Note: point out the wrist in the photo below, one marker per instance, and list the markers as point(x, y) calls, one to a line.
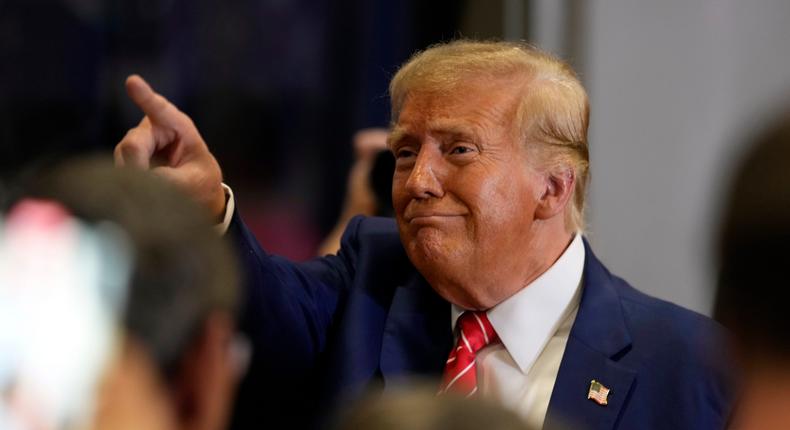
point(218, 205)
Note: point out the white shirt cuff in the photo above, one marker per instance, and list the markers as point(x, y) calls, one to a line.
point(230, 206)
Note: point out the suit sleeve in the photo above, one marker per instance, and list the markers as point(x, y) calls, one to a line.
point(287, 312)
point(288, 307)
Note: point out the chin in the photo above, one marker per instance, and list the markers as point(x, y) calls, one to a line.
point(429, 249)
point(444, 267)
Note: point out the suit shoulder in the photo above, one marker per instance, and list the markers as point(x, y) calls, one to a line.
point(664, 333)
point(672, 343)
point(645, 314)
point(374, 225)
point(374, 246)
point(651, 310)
point(373, 233)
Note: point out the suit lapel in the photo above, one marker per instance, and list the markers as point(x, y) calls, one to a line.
point(417, 333)
point(569, 406)
point(598, 337)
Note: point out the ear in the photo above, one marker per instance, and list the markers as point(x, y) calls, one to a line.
point(559, 186)
point(206, 379)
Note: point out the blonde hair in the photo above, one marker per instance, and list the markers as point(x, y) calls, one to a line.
point(553, 110)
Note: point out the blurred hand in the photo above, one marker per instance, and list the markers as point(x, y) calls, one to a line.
point(360, 198)
point(369, 141)
point(167, 142)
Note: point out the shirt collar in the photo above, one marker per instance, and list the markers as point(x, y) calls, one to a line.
point(528, 319)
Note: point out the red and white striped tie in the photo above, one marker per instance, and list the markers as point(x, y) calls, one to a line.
point(460, 373)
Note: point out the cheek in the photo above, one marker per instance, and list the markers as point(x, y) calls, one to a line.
point(399, 194)
point(400, 197)
point(505, 205)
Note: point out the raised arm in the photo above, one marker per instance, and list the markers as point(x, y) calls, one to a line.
point(285, 306)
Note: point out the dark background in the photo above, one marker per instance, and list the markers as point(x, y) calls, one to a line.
point(277, 88)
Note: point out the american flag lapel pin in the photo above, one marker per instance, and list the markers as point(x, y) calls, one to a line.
point(598, 393)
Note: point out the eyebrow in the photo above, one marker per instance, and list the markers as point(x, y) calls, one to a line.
point(446, 128)
point(396, 135)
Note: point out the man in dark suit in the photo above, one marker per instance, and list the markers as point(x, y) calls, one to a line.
point(484, 278)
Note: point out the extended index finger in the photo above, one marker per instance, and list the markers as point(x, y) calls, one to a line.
point(155, 106)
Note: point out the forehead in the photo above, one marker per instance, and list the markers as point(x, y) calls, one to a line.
point(467, 108)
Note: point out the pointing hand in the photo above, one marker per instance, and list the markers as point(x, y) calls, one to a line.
point(167, 142)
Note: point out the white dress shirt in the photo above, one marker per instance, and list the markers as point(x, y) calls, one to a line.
point(533, 326)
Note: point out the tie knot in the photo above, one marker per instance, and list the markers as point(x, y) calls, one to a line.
point(475, 331)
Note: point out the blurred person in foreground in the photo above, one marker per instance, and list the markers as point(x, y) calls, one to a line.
point(483, 279)
point(419, 408)
point(129, 298)
point(753, 297)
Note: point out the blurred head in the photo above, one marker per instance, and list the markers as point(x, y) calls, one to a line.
point(422, 409)
point(490, 141)
point(62, 286)
point(752, 297)
point(175, 366)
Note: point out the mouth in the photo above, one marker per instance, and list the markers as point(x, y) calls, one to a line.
point(430, 218)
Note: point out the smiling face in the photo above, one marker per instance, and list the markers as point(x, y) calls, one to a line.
point(466, 193)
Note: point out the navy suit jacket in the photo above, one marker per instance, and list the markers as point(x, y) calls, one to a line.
point(326, 330)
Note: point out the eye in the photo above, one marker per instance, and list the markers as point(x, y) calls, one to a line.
point(404, 153)
point(404, 158)
point(461, 149)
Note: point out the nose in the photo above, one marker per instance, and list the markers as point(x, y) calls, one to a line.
point(424, 179)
